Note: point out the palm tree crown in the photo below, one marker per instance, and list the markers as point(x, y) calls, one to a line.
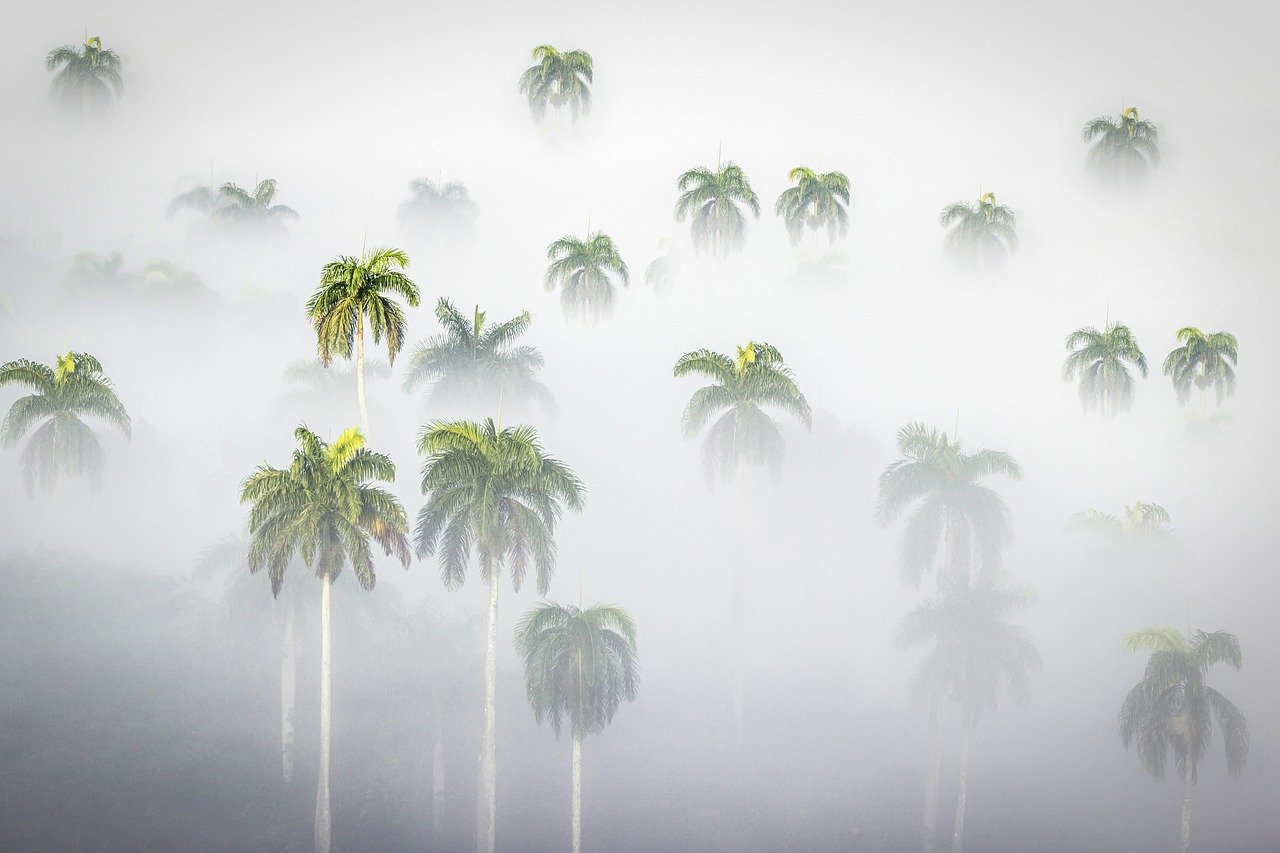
point(1100, 360)
point(712, 200)
point(1203, 361)
point(981, 234)
point(585, 270)
point(1143, 521)
point(87, 76)
point(558, 79)
point(741, 390)
point(816, 201)
point(352, 290)
point(236, 204)
point(1125, 147)
point(74, 388)
point(445, 212)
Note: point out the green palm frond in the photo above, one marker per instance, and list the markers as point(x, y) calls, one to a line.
point(585, 272)
point(353, 291)
point(713, 202)
point(558, 79)
point(1203, 361)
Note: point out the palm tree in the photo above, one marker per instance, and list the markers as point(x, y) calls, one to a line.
point(316, 388)
point(325, 509)
point(975, 654)
point(445, 212)
point(954, 510)
point(472, 361)
point(494, 491)
point(558, 79)
point(1202, 361)
point(89, 75)
point(92, 274)
point(741, 390)
point(711, 200)
point(161, 279)
point(585, 270)
point(662, 270)
point(816, 201)
point(1126, 148)
point(1100, 360)
point(202, 198)
point(981, 234)
point(73, 389)
point(1172, 708)
point(353, 290)
point(1142, 522)
point(578, 664)
point(257, 209)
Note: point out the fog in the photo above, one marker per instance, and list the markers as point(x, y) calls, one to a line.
point(140, 699)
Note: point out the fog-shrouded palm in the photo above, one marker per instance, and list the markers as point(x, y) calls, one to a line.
point(974, 654)
point(712, 201)
point(981, 234)
point(662, 271)
point(1173, 709)
point(1141, 523)
point(737, 403)
point(165, 280)
point(1101, 359)
point(92, 274)
point(354, 291)
point(495, 493)
point(585, 272)
point(473, 362)
point(86, 76)
point(201, 198)
point(1124, 148)
point(1204, 361)
point(817, 201)
point(445, 213)
point(237, 204)
point(314, 387)
point(954, 513)
point(579, 665)
point(62, 444)
point(325, 509)
point(558, 79)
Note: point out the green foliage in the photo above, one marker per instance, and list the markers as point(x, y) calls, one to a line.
point(712, 200)
point(558, 79)
point(741, 390)
point(578, 664)
point(1100, 360)
point(1141, 523)
point(1203, 361)
point(353, 290)
point(239, 205)
point(324, 509)
point(495, 492)
point(444, 213)
point(1172, 708)
point(816, 201)
point(86, 77)
point(1124, 148)
point(95, 277)
point(62, 444)
point(585, 270)
point(981, 234)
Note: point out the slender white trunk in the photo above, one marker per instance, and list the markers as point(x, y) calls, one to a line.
point(576, 823)
point(288, 694)
point(486, 807)
point(739, 610)
point(437, 781)
point(1185, 842)
point(323, 817)
point(957, 839)
point(933, 771)
point(364, 412)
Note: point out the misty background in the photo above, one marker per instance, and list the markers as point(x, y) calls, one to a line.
point(138, 706)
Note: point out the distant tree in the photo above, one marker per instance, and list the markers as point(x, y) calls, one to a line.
point(1203, 361)
point(981, 234)
point(325, 509)
point(85, 77)
point(558, 79)
point(202, 198)
point(92, 274)
point(316, 388)
point(578, 664)
point(661, 272)
point(238, 205)
point(165, 280)
point(353, 290)
point(497, 493)
point(445, 213)
point(1172, 708)
point(816, 201)
point(1124, 149)
point(1099, 358)
point(471, 361)
point(584, 271)
point(712, 201)
point(63, 445)
point(1141, 523)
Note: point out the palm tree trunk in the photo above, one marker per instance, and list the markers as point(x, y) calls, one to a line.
point(437, 781)
point(1185, 843)
point(957, 839)
point(933, 749)
point(739, 610)
point(486, 807)
point(288, 695)
point(364, 412)
point(323, 817)
point(576, 823)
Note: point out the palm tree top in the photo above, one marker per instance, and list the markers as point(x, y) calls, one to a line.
point(352, 289)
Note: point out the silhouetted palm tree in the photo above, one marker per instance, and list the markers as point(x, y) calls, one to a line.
point(238, 205)
point(1203, 361)
point(1100, 360)
point(816, 201)
point(585, 270)
point(445, 213)
point(558, 79)
point(712, 201)
point(1124, 148)
point(981, 234)
point(88, 76)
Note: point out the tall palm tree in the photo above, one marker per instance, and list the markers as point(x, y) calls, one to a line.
point(472, 361)
point(974, 654)
point(353, 290)
point(1172, 708)
point(325, 509)
point(88, 76)
point(92, 274)
point(816, 201)
point(445, 212)
point(742, 389)
point(63, 444)
point(1203, 361)
point(1124, 148)
point(955, 512)
point(494, 491)
point(558, 79)
point(981, 234)
point(255, 209)
point(712, 201)
point(661, 272)
point(585, 270)
point(1100, 360)
point(578, 664)
point(202, 198)
point(1143, 522)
